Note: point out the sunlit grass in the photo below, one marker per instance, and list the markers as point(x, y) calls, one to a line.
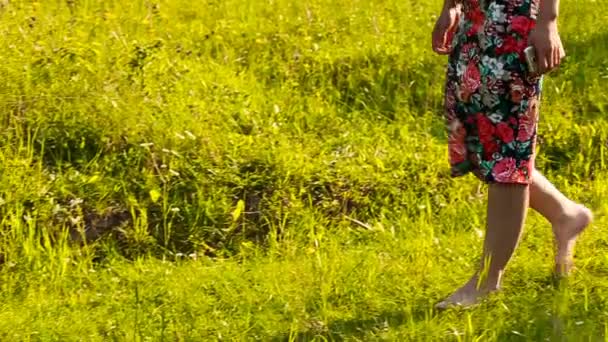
point(270, 170)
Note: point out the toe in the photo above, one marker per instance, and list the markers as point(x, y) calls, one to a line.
point(441, 305)
point(446, 304)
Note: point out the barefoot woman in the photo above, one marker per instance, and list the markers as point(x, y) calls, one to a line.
point(492, 103)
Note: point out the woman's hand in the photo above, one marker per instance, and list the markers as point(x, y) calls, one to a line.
point(549, 49)
point(444, 29)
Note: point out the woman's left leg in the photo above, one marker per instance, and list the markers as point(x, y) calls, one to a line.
point(567, 218)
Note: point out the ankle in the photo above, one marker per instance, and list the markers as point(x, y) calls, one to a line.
point(573, 210)
point(569, 210)
point(489, 283)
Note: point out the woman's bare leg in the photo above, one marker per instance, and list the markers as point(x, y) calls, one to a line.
point(507, 207)
point(567, 218)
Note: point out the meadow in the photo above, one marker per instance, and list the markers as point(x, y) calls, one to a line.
point(271, 170)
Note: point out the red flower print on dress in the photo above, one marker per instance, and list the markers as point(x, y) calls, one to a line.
point(522, 25)
point(517, 90)
point(476, 17)
point(514, 4)
point(505, 132)
point(489, 148)
point(511, 45)
point(466, 48)
point(493, 85)
point(471, 81)
point(526, 165)
point(504, 169)
point(531, 92)
point(456, 143)
point(527, 128)
point(518, 176)
point(485, 128)
point(450, 100)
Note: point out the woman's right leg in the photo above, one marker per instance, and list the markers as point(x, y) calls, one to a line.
point(568, 219)
point(506, 213)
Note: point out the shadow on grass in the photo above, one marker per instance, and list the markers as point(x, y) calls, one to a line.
point(340, 330)
point(556, 312)
point(544, 323)
point(358, 328)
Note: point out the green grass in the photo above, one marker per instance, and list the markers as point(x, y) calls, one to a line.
point(270, 170)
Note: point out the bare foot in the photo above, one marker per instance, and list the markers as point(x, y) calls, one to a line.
point(566, 233)
point(466, 296)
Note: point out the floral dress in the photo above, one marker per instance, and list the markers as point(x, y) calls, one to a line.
point(491, 100)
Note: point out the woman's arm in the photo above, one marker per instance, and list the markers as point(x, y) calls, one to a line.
point(545, 37)
point(445, 25)
point(447, 4)
point(548, 11)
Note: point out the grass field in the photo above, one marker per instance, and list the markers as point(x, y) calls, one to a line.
point(271, 170)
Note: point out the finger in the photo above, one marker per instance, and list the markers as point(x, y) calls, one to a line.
point(439, 47)
point(442, 50)
point(440, 44)
point(541, 59)
point(550, 56)
point(557, 59)
point(446, 42)
point(435, 42)
point(436, 38)
point(454, 24)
